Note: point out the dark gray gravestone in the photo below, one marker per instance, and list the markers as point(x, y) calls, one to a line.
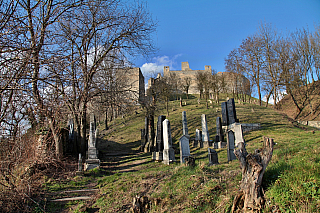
point(232, 116)
point(184, 148)
point(159, 140)
point(146, 122)
point(213, 157)
point(151, 133)
point(230, 146)
point(219, 136)
point(224, 113)
point(231, 111)
point(200, 141)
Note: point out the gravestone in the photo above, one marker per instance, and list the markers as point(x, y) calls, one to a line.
point(231, 110)
point(213, 157)
point(184, 124)
point(205, 134)
point(219, 136)
point(92, 161)
point(236, 128)
point(158, 153)
point(184, 148)
point(224, 113)
point(80, 163)
point(150, 139)
point(168, 151)
point(230, 146)
point(200, 141)
point(146, 122)
point(197, 138)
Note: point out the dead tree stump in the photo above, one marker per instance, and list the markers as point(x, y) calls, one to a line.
point(250, 197)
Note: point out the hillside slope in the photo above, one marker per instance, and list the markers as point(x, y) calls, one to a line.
point(291, 182)
point(287, 106)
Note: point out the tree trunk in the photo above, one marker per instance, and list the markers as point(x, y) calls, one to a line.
point(56, 138)
point(250, 197)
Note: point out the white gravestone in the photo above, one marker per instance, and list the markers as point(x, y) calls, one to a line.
point(168, 151)
point(205, 134)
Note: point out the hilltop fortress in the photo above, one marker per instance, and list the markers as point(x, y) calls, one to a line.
point(232, 81)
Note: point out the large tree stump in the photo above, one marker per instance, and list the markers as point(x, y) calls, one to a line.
point(250, 197)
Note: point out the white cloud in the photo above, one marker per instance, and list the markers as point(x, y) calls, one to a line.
point(155, 67)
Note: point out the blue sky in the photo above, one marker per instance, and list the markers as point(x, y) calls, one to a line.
point(203, 32)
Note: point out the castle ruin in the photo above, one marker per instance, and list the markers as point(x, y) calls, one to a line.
point(232, 81)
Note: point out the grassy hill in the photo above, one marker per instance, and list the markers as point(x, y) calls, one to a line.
point(291, 182)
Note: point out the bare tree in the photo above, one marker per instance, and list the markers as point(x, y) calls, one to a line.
point(185, 85)
point(95, 33)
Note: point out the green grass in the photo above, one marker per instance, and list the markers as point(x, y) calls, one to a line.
point(291, 181)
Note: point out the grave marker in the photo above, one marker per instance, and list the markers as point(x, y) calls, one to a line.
point(213, 157)
point(168, 151)
point(230, 146)
point(184, 148)
point(184, 124)
point(205, 134)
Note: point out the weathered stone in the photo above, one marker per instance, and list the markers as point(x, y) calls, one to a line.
point(190, 161)
point(232, 117)
point(158, 153)
point(205, 133)
point(184, 148)
point(213, 157)
point(159, 136)
point(168, 151)
point(224, 113)
point(92, 161)
point(230, 146)
point(219, 136)
point(184, 124)
point(80, 163)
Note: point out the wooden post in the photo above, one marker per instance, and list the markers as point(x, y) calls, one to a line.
point(250, 197)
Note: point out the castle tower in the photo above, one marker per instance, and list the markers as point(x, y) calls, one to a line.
point(185, 66)
point(207, 68)
point(166, 70)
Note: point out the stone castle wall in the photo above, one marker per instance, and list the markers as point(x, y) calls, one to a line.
point(187, 72)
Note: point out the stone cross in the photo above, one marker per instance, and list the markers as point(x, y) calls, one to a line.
point(205, 134)
point(213, 157)
point(168, 151)
point(184, 124)
point(184, 148)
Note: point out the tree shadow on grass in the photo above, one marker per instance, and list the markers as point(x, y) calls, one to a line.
point(273, 173)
